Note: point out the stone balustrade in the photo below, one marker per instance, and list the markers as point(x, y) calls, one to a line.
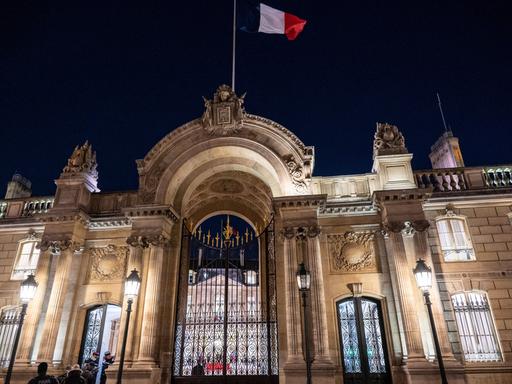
point(25, 207)
point(461, 179)
point(341, 187)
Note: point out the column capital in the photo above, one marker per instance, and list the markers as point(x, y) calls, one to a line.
point(56, 247)
point(148, 239)
point(301, 232)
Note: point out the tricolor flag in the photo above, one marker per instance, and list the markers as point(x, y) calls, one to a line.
point(260, 17)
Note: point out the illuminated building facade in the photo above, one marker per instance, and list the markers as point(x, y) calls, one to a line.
point(224, 306)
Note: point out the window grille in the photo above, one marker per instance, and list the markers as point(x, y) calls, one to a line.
point(455, 240)
point(26, 260)
point(476, 327)
point(9, 320)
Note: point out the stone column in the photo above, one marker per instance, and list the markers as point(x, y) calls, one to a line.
point(422, 250)
point(64, 252)
point(134, 262)
point(399, 266)
point(68, 308)
point(317, 299)
point(293, 306)
point(150, 332)
point(34, 310)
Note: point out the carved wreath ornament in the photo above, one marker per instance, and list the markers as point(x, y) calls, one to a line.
point(108, 263)
point(351, 251)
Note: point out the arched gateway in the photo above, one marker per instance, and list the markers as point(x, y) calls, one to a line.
point(228, 162)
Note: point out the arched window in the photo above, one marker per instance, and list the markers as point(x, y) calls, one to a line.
point(454, 238)
point(476, 327)
point(27, 257)
point(8, 326)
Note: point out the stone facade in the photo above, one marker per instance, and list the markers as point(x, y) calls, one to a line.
point(359, 235)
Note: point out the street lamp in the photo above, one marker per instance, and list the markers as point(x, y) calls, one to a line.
point(131, 290)
point(27, 292)
point(423, 275)
point(304, 283)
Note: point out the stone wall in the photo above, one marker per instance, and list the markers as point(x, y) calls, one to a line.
point(491, 272)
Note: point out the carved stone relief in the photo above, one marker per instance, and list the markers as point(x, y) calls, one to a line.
point(83, 159)
point(388, 140)
point(147, 193)
point(57, 246)
point(352, 252)
point(144, 241)
point(108, 263)
point(296, 171)
point(224, 115)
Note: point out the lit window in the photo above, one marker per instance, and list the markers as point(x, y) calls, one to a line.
point(251, 277)
point(26, 260)
point(192, 276)
point(454, 237)
point(8, 326)
point(476, 327)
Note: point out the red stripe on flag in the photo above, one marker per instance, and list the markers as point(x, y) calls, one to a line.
point(293, 25)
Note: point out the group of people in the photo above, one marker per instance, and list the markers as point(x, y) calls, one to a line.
point(87, 374)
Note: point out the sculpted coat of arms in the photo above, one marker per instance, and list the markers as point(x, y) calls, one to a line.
point(352, 252)
point(224, 114)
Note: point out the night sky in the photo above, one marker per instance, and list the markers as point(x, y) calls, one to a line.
point(123, 75)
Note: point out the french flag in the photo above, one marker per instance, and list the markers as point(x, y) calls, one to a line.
point(260, 17)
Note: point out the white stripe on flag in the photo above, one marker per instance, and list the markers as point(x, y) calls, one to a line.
point(271, 20)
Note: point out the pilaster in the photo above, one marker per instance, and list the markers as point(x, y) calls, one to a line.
point(63, 250)
point(34, 310)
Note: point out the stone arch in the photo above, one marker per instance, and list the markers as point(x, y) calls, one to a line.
point(173, 169)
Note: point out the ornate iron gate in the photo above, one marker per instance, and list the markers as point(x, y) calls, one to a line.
point(9, 322)
point(226, 318)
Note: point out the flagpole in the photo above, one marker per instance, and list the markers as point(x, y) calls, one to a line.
point(234, 48)
point(442, 114)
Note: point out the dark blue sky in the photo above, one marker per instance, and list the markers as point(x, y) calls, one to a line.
point(123, 75)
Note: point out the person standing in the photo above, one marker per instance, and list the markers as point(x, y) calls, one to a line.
point(42, 377)
point(75, 376)
point(108, 360)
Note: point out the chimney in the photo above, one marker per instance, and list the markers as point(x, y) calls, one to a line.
point(18, 187)
point(445, 153)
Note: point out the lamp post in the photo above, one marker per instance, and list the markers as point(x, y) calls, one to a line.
point(131, 290)
point(304, 283)
point(423, 275)
point(27, 292)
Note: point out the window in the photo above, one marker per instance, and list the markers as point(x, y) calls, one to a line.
point(26, 260)
point(476, 327)
point(454, 237)
point(8, 327)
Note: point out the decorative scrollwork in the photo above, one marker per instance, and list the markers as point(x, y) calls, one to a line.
point(296, 171)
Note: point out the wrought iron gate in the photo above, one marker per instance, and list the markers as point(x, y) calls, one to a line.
point(363, 343)
point(98, 335)
point(9, 322)
point(226, 318)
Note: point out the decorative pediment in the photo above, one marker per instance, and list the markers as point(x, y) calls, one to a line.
point(107, 263)
point(352, 252)
point(388, 140)
point(224, 114)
